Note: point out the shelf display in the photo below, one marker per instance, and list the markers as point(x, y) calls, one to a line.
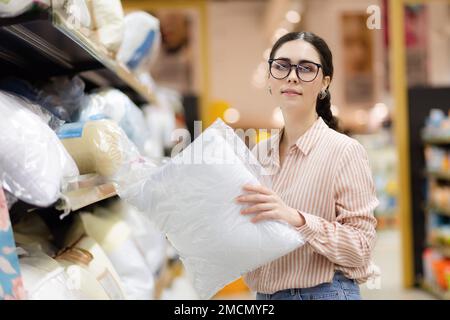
point(436, 273)
point(62, 70)
point(437, 160)
point(383, 160)
point(436, 256)
point(47, 42)
point(439, 197)
point(437, 127)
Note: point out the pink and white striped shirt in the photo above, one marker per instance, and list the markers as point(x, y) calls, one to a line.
point(326, 176)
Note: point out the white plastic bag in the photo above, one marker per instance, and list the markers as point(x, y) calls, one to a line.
point(45, 279)
point(191, 199)
point(33, 161)
point(108, 22)
point(13, 8)
point(141, 40)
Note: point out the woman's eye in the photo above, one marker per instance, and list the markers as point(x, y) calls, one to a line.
point(306, 68)
point(281, 66)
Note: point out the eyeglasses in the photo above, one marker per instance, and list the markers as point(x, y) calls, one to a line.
point(306, 70)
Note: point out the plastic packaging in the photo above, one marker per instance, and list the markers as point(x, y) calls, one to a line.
point(108, 18)
point(33, 162)
point(45, 279)
point(102, 268)
point(191, 199)
point(13, 8)
point(76, 263)
point(32, 96)
point(97, 146)
point(141, 40)
point(76, 10)
point(63, 96)
point(32, 230)
point(150, 241)
point(115, 105)
point(124, 258)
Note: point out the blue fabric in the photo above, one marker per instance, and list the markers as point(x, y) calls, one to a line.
point(11, 286)
point(341, 288)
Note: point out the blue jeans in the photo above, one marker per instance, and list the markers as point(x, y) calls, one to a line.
point(341, 288)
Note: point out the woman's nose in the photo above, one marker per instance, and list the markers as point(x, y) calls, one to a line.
point(292, 77)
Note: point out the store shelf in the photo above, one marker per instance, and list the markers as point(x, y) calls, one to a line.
point(443, 175)
point(82, 197)
point(435, 290)
point(437, 140)
point(45, 43)
point(440, 210)
point(442, 249)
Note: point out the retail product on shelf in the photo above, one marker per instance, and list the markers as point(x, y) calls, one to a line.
point(161, 121)
point(436, 270)
point(114, 237)
point(437, 125)
point(32, 230)
point(439, 196)
point(33, 162)
point(77, 10)
point(101, 267)
point(191, 199)
point(150, 241)
point(98, 146)
point(116, 106)
point(141, 40)
point(107, 16)
point(76, 262)
point(13, 8)
point(437, 159)
point(383, 160)
point(45, 279)
point(61, 96)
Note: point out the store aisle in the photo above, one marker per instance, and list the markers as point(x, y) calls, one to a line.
point(387, 256)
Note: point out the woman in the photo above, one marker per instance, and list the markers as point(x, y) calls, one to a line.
point(322, 183)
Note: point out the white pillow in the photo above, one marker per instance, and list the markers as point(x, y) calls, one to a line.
point(33, 162)
point(108, 17)
point(193, 203)
point(141, 40)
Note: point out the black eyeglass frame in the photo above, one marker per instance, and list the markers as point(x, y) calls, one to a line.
point(270, 61)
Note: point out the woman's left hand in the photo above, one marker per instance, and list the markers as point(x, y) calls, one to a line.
point(267, 205)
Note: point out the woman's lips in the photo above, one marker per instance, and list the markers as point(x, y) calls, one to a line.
point(290, 93)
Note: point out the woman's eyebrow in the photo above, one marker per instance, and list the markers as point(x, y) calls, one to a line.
point(302, 60)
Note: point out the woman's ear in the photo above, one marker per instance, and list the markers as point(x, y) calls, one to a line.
point(325, 82)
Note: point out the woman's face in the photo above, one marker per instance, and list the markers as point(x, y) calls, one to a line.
point(291, 92)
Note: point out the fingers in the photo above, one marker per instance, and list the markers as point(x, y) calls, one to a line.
point(266, 215)
point(258, 189)
point(252, 198)
point(258, 208)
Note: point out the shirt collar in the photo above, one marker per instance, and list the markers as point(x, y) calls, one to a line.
point(307, 141)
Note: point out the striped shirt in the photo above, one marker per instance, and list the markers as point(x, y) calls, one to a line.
point(325, 176)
